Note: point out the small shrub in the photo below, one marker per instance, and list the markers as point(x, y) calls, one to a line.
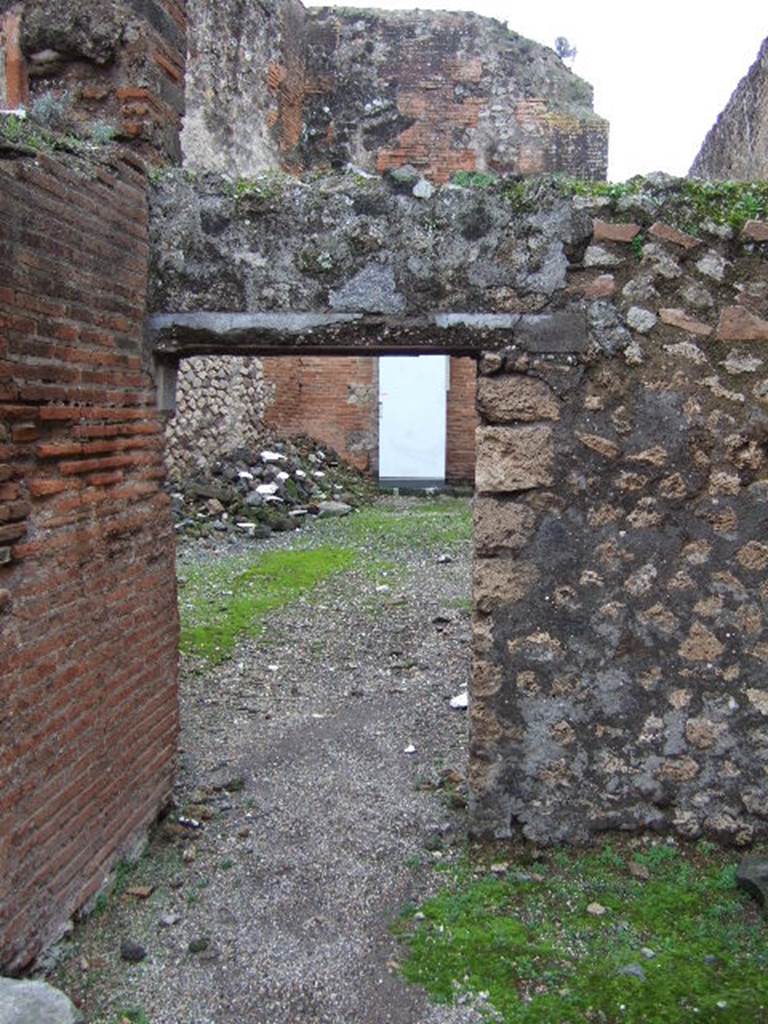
point(51, 111)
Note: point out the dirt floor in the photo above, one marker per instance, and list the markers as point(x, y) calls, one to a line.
point(318, 787)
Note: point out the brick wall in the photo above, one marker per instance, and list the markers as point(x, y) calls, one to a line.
point(444, 92)
point(119, 67)
point(332, 399)
point(14, 87)
point(461, 421)
point(88, 622)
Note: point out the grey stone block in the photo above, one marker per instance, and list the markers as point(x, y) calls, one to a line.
point(34, 1002)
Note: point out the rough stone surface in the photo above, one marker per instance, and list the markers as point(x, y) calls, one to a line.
point(737, 145)
point(516, 398)
point(34, 1002)
point(752, 876)
point(439, 92)
point(219, 406)
point(513, 458)
point(619, 652)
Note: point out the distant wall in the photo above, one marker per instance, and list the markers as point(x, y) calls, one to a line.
point(444, 92)
point(335, 400)
point(737, 146)
point(245, 84)
point(219, 407)
point(282, 86)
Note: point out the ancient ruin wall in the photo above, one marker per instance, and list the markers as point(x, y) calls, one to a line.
point(283, 87)
point(245, 84)
point(444, 92)
point(737, 145)
point(621, 576)
point(112, 70)
point(335, 401)
point(88, 620)
point(461, 422)
point(219, 407)
point(88, 626)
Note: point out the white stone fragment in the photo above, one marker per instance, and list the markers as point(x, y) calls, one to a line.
point(460, 701)
point(739, 363)
point(267, 489)
point(712, 265)
point(267, 456)
point(422, 189)
point(641, 320)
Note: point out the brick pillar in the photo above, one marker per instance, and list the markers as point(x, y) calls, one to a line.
point(14, 86)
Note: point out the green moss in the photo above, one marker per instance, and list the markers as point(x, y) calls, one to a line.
point(473, 179)
point(260, 191)
point(226, 600)
point(530, 941)
point(432, 525)
point(133, 1016)
point(30, 136)
point(686, 202)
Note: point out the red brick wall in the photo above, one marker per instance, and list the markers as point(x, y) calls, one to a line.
point(332, 399)
point(461, 420)
point(14, 87)
point(88, 621)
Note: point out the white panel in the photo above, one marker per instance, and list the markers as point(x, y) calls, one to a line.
point(412, 410)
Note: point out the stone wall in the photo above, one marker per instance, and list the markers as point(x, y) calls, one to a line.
point(737, 145)
point(277, 86)
point(621, 576)
point(219, 407)
point(245, 84)
point(444, 92)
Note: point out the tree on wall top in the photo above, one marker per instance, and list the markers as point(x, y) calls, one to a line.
point(564, 50)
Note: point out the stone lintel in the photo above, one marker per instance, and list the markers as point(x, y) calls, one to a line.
point(354, 333)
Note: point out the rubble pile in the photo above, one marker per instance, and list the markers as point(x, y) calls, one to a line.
point(251, 492)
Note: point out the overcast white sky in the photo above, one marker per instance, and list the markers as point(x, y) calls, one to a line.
point(662, 69)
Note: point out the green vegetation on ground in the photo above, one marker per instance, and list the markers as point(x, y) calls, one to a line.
point(224, 600)
point(651, 935)
point(426, 525)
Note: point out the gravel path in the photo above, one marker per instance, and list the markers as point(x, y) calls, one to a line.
point(314, 817)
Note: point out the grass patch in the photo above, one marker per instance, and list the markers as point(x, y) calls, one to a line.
point(226, 600)
point(133, 1016)
point(682, 945)
point(427, 526)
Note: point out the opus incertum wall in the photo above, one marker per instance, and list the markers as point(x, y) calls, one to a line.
point(621, 571)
